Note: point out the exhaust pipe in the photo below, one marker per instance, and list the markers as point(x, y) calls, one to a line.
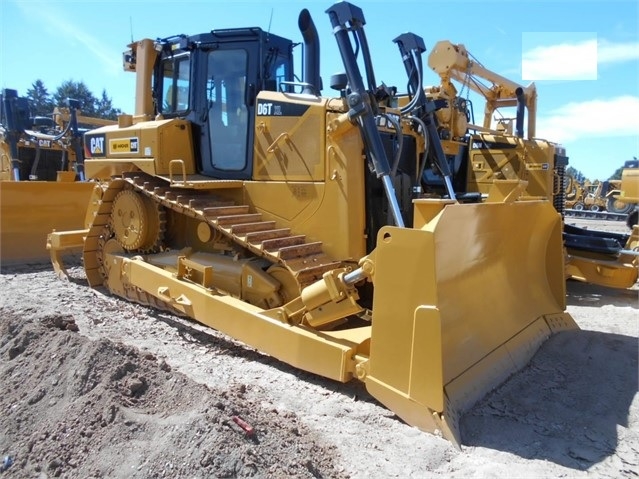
point(312, 79)
point(74, 106)
point(9, 100)
point(521, 108)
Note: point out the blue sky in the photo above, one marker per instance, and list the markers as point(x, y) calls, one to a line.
point(583, 55)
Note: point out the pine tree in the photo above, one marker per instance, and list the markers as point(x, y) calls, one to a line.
point(40, 102)
point(576, 174)
point(105, 109)
point(76, 91)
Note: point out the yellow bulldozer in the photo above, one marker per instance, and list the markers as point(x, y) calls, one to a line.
point(41, 175)
point(500, 149)
point(302, 225)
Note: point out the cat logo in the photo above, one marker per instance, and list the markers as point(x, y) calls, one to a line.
point(96, 145)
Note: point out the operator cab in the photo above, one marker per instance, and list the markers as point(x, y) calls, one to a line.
point(212, 80)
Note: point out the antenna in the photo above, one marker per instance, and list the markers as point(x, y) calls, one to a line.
point(269, 21)
point(131, 26)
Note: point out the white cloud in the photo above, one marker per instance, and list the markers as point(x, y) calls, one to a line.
point(608, 52)
point(566, 61)
point(612, 117)
point(575, 61)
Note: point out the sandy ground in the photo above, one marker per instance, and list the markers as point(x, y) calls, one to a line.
point(93, 386)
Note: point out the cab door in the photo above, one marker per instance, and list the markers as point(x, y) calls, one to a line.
point(227, 133)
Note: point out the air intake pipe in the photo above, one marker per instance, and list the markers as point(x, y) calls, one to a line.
point(312, 79)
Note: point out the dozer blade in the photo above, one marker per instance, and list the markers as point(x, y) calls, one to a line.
point(460, 303)
point(30, 210)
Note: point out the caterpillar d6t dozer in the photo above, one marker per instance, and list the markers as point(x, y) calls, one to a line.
point(275, 216)
point(40, 187)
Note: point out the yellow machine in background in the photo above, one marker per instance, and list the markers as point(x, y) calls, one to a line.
point(39, 173)
point(628, 192)
point(573, 193)
point(480, 154)
point(298, 224)
point(599, 196)
point(591, 197)
point(603, 198)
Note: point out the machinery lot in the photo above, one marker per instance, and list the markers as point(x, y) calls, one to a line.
point(137, 393)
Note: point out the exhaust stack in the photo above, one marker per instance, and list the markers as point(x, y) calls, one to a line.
point(521, 108)
point(312, 79)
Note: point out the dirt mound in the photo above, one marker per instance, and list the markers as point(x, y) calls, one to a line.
point(103, 401)
point(73, 407)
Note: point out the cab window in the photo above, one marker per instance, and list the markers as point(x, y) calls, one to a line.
point(175, 85)
point(227, 110)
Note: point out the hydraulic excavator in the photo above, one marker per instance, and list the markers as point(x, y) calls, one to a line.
point(481, 154)
point(298, 223)
point(41, 175)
